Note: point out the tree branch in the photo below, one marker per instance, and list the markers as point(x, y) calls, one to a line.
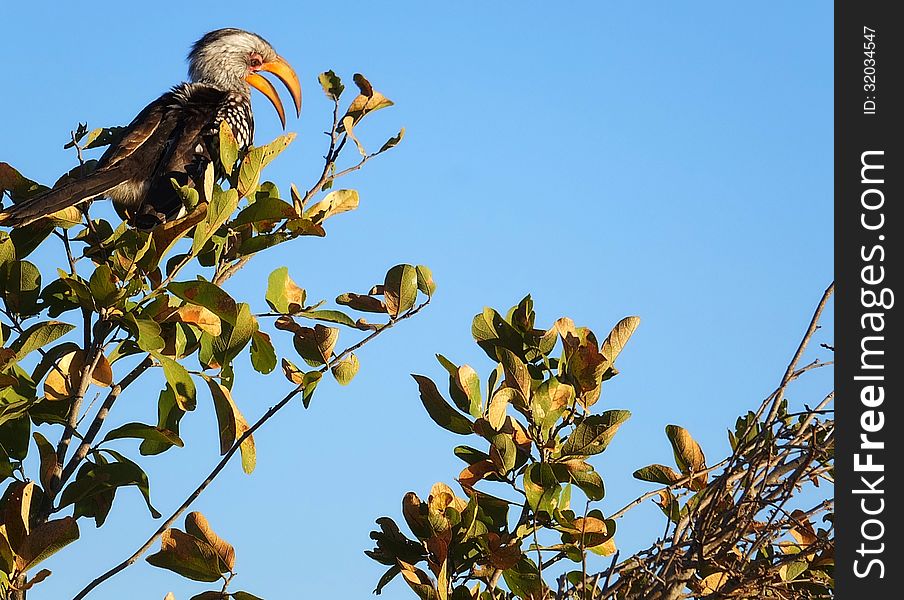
point(101, 416)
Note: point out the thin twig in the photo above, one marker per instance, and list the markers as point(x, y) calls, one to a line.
point(792, 366)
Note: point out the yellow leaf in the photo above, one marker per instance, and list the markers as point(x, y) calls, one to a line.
point(803, 533)
point(203, 318)
point(334, 203)
point(712, 583)
point(293, 373)
point(62, 382)
point(442, 496)
point(607, 548)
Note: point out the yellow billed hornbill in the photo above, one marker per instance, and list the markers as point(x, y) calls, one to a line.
point(176, 136)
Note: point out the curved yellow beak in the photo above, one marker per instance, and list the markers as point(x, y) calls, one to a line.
point(286, 74)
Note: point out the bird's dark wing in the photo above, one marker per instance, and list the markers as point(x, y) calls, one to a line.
point(192, 128)
point(168, 140)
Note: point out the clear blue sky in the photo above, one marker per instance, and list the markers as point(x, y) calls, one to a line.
point(673, 162)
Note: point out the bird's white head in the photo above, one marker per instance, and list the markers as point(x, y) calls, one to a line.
point(231, 59)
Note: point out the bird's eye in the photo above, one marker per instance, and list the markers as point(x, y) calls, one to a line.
point(256, 60)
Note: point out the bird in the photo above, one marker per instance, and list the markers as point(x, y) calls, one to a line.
point(176, 136)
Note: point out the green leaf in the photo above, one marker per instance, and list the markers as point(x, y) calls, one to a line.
point(263, 355)
point(593, 433)
point(15, 431)
point(439, 410)
point(262, 242)
point(208, 595)
point(524, 580)
point(234, 339)
point(541, 487)
point(306, 227)
point(657, 474)
point(283, 294)
point(467, 383)
point(244, 596)
point(516, 374)
point(38, 336)
point(425, 281)
point(256, 159)
point(146, 332)
point(795, 569)
point(581, 474)
point(332, 85)
point(180, 382)
point(346, 369)
point(28, 238)
point(470, 455)
point(330, 316)
point(400, 289)
point(308, 385)
point(103, 286)
point(265, 209)
point(20, 286)
point(229, 147)
point(99, 478)
point(140, 431)
point(103, 136)
point(168, 416)
point(7, 248)
point(504, 452)
point(491, 331)
point(393, 141)
point(220, 208)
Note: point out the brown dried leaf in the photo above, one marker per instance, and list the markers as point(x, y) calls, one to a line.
point(618, 337)
point(471, 474)
point(197, 525)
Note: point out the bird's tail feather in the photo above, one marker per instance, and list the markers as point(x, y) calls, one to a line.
point(61, 197)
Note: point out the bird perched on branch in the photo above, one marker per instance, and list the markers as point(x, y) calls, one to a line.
point(176, 136)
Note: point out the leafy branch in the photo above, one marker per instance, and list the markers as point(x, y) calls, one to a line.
point(301, 388)
point(137, 308)
point(736, 529)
